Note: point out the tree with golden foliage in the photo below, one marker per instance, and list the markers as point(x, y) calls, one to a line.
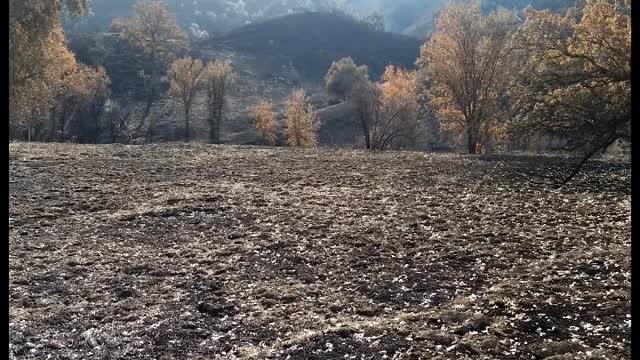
point(81, 88)
point(388, 113)
point(302, 123)
point(218, 76)
point(265, 120)
point(154, 30)
point(185, 76)
point(467, 60)
point(575, 77)
point(38, 56)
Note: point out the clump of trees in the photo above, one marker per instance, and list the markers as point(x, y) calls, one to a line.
point(265, 120)
point(188, 76)
point(342, 76)
point(156, 32)
point(83, 90)
point(38, 58)
point(566, 76)
point(575, 77)
point(302, 123)
point(487, 79)
point(388, 112)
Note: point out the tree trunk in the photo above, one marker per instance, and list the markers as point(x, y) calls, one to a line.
point(63, 117)
point(212, 131)
point(472, 143)
point(111, 130)
point(52, 128)
point(186, 130)
point(365, 130)
point(95, 135)
point(12, 71)
point(472, 139)
point(152, 87)
point(219, 120)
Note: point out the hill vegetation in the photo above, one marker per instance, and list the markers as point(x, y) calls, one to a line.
point(319, 179)
point(486, 80)
point(312, 41)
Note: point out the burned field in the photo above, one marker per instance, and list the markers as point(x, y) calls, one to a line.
point(205, 252)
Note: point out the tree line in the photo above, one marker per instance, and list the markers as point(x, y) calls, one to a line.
point(492, 81)
point(489, 81)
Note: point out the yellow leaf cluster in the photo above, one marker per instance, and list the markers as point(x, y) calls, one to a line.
point(153, 29)
point(302, 122)
point(265, 120)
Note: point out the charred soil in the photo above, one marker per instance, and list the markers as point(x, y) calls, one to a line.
point(205, 252)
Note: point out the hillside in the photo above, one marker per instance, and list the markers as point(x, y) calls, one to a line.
point(310, 41)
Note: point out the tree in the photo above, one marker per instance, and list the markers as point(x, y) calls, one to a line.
point(388, 113)
point(38, 56)
point(467, 61)
point(265, 120)
point(41, 78)
point(575, 78)
point(185, 76)
point(81, 88)
point(218, 76)
point(99, 92)
point(155, 31)
point(302, 124)
point(342, 76)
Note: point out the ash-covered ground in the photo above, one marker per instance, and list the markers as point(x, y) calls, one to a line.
point(224, 252)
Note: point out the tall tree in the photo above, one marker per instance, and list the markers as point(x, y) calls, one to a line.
point(466, 59)
point(575, 78)
point(218, 76)
point(185, 76)
point(38, 56)
point(154, 30)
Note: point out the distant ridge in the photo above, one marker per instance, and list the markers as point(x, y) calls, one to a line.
point(310, 41)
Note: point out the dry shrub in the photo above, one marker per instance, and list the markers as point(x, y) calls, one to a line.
point(265, 120)
point(302, 123)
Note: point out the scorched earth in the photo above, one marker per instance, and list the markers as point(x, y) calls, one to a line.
point(223, 252)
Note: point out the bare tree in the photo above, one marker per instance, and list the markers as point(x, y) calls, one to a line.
point(126, 120)
point(218, 76)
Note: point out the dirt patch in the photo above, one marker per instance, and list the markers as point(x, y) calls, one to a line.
point(205, 252)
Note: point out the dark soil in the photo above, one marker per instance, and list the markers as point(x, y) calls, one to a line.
point(222, 252)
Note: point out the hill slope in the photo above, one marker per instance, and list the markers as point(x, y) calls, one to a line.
point(310, 41)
